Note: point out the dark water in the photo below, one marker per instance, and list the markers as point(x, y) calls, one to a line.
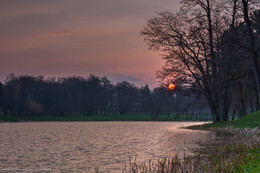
point(83, 146)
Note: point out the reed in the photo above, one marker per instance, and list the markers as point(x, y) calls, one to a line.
point(233, 150)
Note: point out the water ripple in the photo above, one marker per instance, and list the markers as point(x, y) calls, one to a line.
point(83, 146)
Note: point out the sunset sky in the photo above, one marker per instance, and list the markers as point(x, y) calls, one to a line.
point(58, 38)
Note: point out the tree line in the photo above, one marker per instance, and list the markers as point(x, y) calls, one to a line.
point(90, 96)
point(212, 47)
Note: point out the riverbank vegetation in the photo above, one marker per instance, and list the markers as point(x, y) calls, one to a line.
point(232, 150)
point(108, 117)
point(249, 121)
point(238, 152)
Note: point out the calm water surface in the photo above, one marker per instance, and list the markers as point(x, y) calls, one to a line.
point(83, 146)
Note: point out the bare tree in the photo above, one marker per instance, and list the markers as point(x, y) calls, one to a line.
point(190, 40)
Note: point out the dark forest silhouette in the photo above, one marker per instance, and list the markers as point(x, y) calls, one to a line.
point(93, 95)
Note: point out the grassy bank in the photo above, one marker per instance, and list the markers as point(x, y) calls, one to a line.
point(242, 150)
point(107, 117)
point(234, 150)
point(239, 153)
point(249, 121)
point(228, 153)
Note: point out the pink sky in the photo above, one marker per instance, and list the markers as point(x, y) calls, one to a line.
point(58, 38)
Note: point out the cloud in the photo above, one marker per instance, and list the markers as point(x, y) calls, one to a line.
point(65, 37)
point(59, 32)
point(118, 77)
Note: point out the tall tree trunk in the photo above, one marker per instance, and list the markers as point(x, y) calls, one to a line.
point(224, 105)
point(252, 46)
point(214, 110)
point(214, 93)
point(234, 113)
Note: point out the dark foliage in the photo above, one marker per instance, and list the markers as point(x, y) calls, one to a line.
point(78, 96)
point(212, 47)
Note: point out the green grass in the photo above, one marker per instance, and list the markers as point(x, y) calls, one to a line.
point(250, 160)
point(249, 121)
point(108, 117)
point(10, 118)
point(253, 167)
point(238, 153)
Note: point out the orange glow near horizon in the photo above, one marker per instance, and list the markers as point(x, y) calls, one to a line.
point(171, 86)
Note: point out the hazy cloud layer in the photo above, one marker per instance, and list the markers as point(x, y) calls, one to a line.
point(64, 37)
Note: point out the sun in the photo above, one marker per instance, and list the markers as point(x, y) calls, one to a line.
point(171, 86)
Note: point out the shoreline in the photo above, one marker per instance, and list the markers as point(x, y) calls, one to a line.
point(238, 150)
point(99, 118)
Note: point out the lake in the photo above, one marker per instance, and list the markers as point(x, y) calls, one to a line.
point(83, 146)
